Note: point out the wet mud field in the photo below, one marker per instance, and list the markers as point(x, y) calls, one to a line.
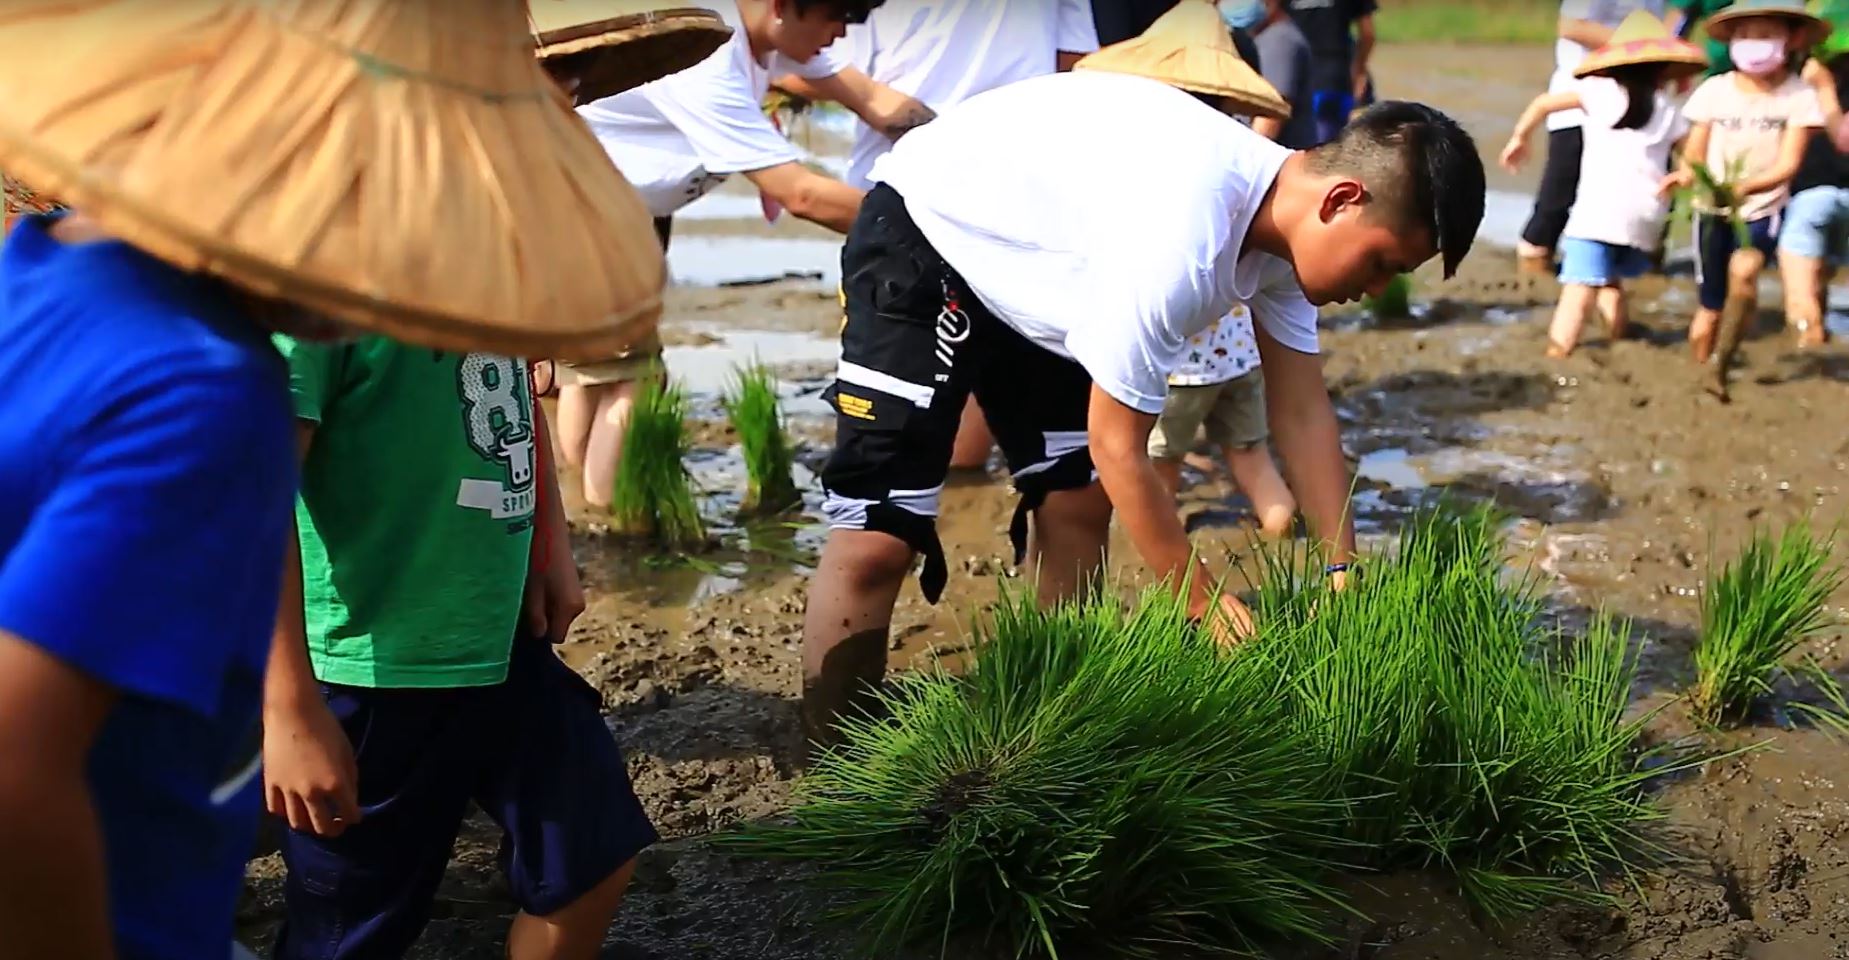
point(1624, 479)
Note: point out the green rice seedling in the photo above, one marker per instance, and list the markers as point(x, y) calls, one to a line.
point(1394, 302)
point(1754, 614)
point(653, 498)
point(1097, 778)
point(1454, 733)
point(752, 407)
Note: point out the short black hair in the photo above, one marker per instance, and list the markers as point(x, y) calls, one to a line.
point(1419, 166)
point(846, 11)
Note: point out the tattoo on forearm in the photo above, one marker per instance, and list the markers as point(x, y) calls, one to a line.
point(911, 118)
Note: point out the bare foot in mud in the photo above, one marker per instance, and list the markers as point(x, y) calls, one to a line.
point(1557, 352)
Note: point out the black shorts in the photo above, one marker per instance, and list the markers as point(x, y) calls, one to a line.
point(915, 345)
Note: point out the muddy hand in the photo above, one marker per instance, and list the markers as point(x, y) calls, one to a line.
point(310, 778)
point(1230, 622)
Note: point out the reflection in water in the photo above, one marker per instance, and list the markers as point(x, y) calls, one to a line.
point(706, 371)
point(711, 261)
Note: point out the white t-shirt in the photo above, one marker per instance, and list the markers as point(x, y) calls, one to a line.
point(945, 51)
point(1620, 169)
point(679, 137)
point(1567, 54)
point(1110, 243)
point(1226, 350)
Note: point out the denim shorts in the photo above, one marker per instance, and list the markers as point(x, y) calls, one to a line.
point(1817, 225)
point(1717, 244)
point(1595, 263)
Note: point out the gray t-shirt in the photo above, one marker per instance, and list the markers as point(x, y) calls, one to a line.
point(1284, 60)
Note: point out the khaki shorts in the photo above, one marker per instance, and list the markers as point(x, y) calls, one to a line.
point(1233, 413)
point(639, 362)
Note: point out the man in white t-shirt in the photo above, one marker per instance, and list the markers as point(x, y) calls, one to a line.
point(1056, 266)
point(681, 136)
point(1585, 25)
point(943, 52)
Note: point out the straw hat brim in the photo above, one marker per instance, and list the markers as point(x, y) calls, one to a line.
point(623, 53)
point(1808, 28)
point(247, 141)
point(1678, 58)
point(1198, 69)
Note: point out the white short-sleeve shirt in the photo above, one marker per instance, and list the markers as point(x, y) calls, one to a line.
point(1110, 243)
point(945, 51)
point(678, 137)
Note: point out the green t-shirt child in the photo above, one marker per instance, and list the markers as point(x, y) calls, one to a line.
point(416, 511)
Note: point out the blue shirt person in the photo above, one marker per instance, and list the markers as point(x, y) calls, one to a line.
point(146, 481)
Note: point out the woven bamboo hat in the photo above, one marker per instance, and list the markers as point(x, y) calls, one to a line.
point(1190, 47)
point(403, 165)
point(613, 45)
point(1642, 38)
point(1806, 29)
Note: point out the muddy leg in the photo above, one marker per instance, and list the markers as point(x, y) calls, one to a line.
point(1569, 319)
point(1617, 315)
point(1071, 532)
point(1257, 474)
point(1742, 305)
point(846, 626)
point(974, 441)
point(1802, 278)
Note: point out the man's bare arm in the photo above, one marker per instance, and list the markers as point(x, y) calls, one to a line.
point(54, 885)
point(1305, 430)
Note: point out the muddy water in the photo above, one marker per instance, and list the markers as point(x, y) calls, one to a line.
point(1623, 479)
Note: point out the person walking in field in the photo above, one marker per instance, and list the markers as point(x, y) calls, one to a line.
point(1057, 273)
point(1753, 122)
point(680, 137)
point(942, 53)
point(1630, 128)
point(1285, 61)
point(149, 466)
point(1584, 25)
point(1341, 37)
point(1814, 239)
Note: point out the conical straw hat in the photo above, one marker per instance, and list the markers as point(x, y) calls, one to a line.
point(1191, 48)
point(1806, 28)
point(1642, 38)
point(618, 44)
point(404, 165)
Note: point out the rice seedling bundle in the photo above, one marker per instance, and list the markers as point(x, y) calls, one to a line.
point(653, 497)
point(756, 418)
point(1755, 613)
point(1097, 777)
point(1462, 734)
point(1106, 777)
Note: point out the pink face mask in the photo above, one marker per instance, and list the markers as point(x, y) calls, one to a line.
point(1758, 57)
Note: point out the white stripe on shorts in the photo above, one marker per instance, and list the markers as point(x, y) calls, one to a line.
point(919, 394)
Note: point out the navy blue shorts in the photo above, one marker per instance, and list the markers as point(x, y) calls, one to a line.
point(1717, 246)
point(533, 752)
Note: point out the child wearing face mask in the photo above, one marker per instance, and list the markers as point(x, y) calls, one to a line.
point(1629, 129)
point(1759, 116)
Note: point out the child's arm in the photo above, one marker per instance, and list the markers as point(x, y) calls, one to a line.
point(1516, 151)
point(310, 777)
point(1694, 151)
point(1790, 157)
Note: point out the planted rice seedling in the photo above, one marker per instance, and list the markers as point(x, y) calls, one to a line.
point(756, 417)
point(654, 497)
point(1754, 614)
point(1098, 777)
point(1394, 302)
